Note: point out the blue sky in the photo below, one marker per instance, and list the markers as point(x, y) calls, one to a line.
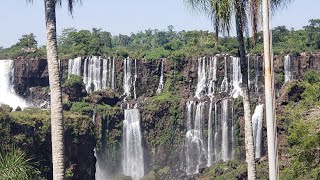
point(126, 16)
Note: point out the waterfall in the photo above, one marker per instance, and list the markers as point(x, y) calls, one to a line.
point(132, 163)
point(287, 68)
point(160, 87)
point(128, 82)
point(195, 145)
point(248, 61)
point(210, 136)
point(7, 95)
point(224, 127)
point(236, 77)
point(127, 77)
point(224, 84)
point(220, 143)
point(202, 78)
point(105, 73)
point(212, 76)
point(135, 79)
point(113, 86)
point(85, 71)
point(257, 119)
point(94, 74)
point(217, 149)
point(74, 66)
point(98, 73)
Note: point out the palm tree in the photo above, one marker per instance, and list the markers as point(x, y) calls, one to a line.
point(255, 14)
point(240, 15)
point(57, 119)
point(217, 10)
point(222, 11)
point(239, 9)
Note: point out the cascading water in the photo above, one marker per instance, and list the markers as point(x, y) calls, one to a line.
point(132, 163)
point(224, 84)
point(236, 77)
point(98, 73)
point(160, 87)
point(94, 82)
point(195, 144)
point(210, 136)
point(127, 81)
point(217, 145)
point(74, 66)
point(202, 77)
point(248, 61)
point(113, 86)
point(132, 160)
point(7, 95)
point(135, 79)
point(221, 143)
point(212, 76)
point(287, 68)
point(100, 172)
point(105, 74)
point(224, 127)
point(257, 119)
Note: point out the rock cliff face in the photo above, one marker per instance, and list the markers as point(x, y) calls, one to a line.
point(29, 130)
point(164, 115)
point(30, 73)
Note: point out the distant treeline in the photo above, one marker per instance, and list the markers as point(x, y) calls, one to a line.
point(154, 44)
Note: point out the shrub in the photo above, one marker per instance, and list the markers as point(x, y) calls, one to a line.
point(73, 80)
point(312, 77)
point(15, 165)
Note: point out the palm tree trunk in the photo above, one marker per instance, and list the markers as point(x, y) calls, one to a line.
point(245, 90)
point(57, 121)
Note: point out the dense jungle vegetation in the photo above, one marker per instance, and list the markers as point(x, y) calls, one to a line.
point(155, 44)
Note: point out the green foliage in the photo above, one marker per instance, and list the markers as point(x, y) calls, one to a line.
point(152, 175)
point(165, 170)
point(312, 77)
point(303, 133)
point(154, 44)
point(280, 78)
point(30, 131)
point(229, 170)
point(69, 173)
point(26, 47)
point(81, 107)
point(72, 80)
point(156, 54)
point(15, 165)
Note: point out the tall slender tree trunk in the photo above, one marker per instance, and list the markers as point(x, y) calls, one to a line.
point(57, 120)
point(245, 90)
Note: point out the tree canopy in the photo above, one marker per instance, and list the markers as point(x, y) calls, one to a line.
point(155, 44)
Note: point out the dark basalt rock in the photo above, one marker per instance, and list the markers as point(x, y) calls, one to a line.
point(30, 73)
point(104, 97)
point(162, 121)
point(75, 92)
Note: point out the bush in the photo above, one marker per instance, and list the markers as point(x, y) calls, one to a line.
point(73, 80)
point(312, 77)
point(81, 107)
point(15, 165)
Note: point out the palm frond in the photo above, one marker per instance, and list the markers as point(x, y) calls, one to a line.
point(199, 5)
point(279, 4)
point(15, 165)
point(224, 13)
